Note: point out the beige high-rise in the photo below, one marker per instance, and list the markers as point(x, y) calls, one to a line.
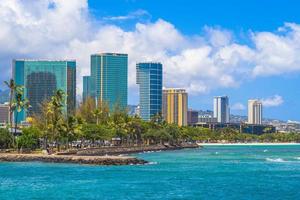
point(175, 106)
point(254, 111)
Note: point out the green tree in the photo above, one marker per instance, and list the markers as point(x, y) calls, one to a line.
point(29, 138)
point(6, 139)
point(13, 88)
point(86, 110)
point(19, 104)
point(55, 114)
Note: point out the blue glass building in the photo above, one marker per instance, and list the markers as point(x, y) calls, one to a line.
point(86, 92)
point(41, 78)
point(149, 78)
point(109, 73)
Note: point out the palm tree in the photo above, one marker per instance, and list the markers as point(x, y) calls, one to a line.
point(19, 105)
point(55, 111)
point(13, 88)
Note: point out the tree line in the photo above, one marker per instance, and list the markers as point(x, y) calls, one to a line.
point(93, 124)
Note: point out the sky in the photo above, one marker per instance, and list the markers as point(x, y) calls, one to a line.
point(242, 49)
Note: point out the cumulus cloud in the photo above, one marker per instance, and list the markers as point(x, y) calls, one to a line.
point(61, 29)
point(273, 101)
point(238, 106)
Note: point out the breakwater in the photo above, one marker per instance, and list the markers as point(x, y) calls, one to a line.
point(91, 160)
point(128, 150)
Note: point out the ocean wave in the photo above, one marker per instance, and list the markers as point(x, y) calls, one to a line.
point(275, 160)
point(152, 163)
point(297, 158)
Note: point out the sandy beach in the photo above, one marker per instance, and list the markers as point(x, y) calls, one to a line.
point(245, 144)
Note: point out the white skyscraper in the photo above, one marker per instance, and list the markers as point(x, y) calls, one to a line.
point(254, 111)
point(221, 109)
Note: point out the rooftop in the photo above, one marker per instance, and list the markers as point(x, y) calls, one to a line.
point(45, 60)
point(109, 54)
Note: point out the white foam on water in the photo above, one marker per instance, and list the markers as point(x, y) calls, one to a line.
point(266, 150)
point(297, 158)
point(152, 163)
point(275, 160)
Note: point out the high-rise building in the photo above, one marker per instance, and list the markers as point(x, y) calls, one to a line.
point(149, 79)
point(4, 113)
point(254, 111)
point(175, 106)
point(221, 109)
point(41, 78)
point(109, 73)
point(86, 92)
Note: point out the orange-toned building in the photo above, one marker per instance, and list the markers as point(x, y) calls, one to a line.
point(175, 106)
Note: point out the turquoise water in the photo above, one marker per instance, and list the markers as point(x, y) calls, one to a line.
point(235, 172)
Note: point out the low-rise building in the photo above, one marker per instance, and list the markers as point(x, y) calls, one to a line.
point(192, 117)
point(4, 113)
point(206, 118)
point(256, 129)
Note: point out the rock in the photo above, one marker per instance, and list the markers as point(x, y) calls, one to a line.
point(93, 160)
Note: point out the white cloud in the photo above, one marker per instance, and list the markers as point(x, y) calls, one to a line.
point(273, 101)
point(277, 53)
point(238, 106)
point(132, 15)
point(57, 29)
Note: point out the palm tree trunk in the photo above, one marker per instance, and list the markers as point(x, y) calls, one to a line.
point(16, 126)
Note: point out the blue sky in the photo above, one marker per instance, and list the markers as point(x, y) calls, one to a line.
point(190, 16)
point(243, 49)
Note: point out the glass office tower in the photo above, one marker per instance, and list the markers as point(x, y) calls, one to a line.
point(86, 92)
point(149, 79)
point(41, 78)
point(109, 73)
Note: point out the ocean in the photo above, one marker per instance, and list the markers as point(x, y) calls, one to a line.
point(214, 172)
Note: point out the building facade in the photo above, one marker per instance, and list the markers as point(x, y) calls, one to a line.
point(254, 111)
point(109, 73)
point(149, 78)
point(4, 113)
point(41, 78)
point(86, 89)
point(207, 119)
point(221, 109)
point(192, 117)
point(175, 106)
point(4, 96)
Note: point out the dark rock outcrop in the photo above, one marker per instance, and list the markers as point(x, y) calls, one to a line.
point(91, 160)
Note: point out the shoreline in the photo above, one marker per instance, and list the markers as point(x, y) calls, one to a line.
point(94, 156)
point(87, 160)
point(128, 150)
point(249, 144)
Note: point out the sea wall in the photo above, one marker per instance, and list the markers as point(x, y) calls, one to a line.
point(91, 160)
point(130, 150)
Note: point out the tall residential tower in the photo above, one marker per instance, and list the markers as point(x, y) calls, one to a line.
point(41, 78)
point(149, 79)
point(254, 111)
point(175, 106)
point(221, 109)
point(109, 78)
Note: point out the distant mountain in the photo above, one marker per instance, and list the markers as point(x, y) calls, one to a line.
point(4, 96)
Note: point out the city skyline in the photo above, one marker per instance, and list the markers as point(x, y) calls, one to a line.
point(209, 55)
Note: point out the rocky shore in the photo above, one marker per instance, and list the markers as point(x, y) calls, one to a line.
point(90, 160)
point(128, 150)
